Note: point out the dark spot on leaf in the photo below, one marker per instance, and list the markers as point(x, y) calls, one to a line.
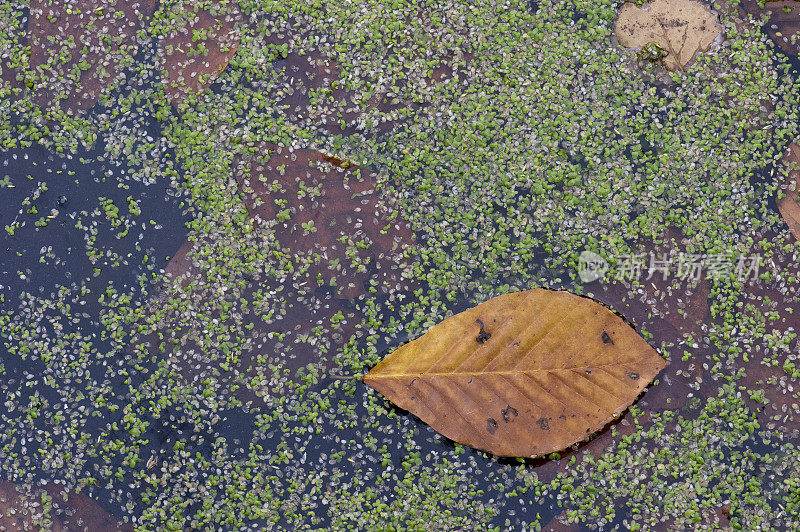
point(633, 375)
point(482, 335)
point(491, 425)
point(588, 372)
point(606, 338)
point(543, 423)
point(507, 411)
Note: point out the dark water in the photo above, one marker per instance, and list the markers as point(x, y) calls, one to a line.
point(74, 187)
point(73, 191)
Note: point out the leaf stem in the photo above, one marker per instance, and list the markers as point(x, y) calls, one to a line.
point(344, 377)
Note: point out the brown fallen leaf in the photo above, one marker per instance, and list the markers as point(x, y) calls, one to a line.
point(789, 205)
point(180, 268)
point(322, 206)
point(21, 509)
point(682, 28)
point(286, 339)
point(334, 108)
point(199, 47)
point(12, 61)
point(103, 33)
point(522, 374)
point(783, 21)
point(714, 518)
point(314, 89)
point(771, 365)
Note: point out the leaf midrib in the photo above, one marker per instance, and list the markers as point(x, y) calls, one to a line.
point(509, 372)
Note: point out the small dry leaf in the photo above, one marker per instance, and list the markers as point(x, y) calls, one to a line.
point(789, 205)
point(680, 27)
point(523, 374)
